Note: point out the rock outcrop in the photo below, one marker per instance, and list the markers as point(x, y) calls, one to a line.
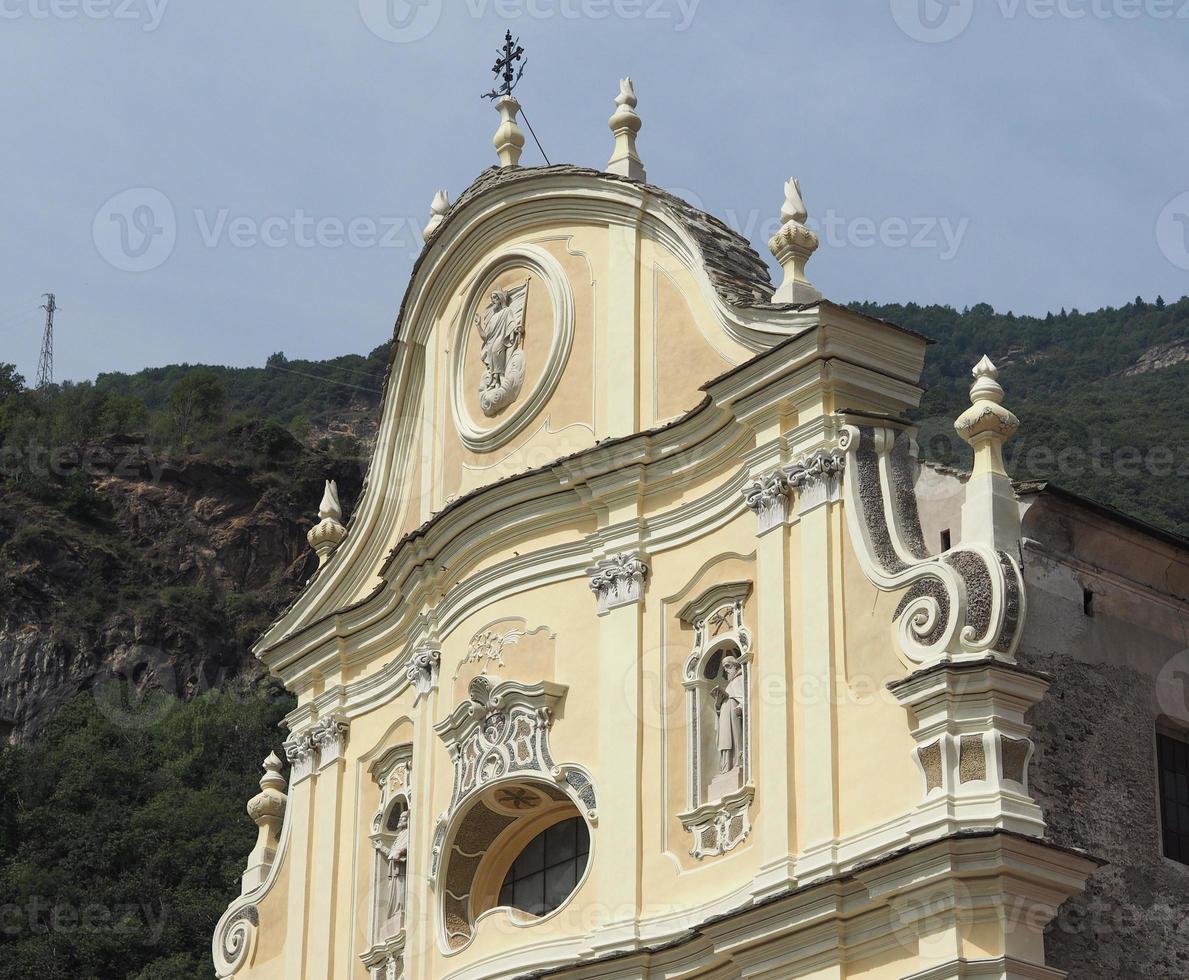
point(143, 578)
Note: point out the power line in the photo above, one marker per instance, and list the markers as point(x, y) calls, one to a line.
point(535, 140)
point(45, 367)
point(329, 381)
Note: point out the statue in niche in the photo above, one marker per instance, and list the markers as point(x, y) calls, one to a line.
point(728, 705)
point(396, 854)
point(501, 329)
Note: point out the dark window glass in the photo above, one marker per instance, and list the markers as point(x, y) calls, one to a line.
point(548, 869)
point(1173, 759)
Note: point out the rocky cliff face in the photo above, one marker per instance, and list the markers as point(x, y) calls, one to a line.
point(145, 579)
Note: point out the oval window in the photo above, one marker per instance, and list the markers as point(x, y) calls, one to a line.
point(548, 869)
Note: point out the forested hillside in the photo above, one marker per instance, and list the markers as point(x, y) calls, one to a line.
point(152, 524)
point(1102, 397)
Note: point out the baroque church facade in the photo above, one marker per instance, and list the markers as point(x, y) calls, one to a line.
point(651, 651)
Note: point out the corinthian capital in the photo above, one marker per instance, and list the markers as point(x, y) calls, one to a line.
point(423, 670)
point(618, 580)
point(817, 478)
point(768, 496)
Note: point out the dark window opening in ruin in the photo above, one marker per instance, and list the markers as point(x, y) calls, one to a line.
point(947, 540)
point(1087, 602)
point(1173, 761)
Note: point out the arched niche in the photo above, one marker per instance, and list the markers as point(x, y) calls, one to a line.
point(718, 696)
point(389, 839)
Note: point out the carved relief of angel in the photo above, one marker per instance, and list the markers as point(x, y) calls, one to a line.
point(501, 329)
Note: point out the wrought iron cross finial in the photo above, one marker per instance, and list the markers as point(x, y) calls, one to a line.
point(505, 67)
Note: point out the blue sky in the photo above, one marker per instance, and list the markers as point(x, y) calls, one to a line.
point(268, 164)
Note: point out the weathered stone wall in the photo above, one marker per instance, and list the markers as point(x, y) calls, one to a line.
point(1094, 771)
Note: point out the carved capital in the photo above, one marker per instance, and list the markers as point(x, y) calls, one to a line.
point(423, 670)
point(329, 737)
point(816, 478)
point(618, 580)
point(300, 751)
point(768, 496)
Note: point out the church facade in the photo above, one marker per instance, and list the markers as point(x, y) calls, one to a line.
point(650, 650)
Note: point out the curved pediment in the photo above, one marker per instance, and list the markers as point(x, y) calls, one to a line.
point(551, 310)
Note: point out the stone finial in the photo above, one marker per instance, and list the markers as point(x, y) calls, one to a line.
point(625, 124)
point(508, 139)
point(990, 513)
point(330, 532)
point(794, 205)
point(437, 214)
point(987, 425)
point(793, 246)
point(267, 811)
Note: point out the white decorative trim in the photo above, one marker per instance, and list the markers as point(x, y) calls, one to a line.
point(816, 478)
point(500, 735)
point(300, 751)
point(486, 438)
point(618, 580)
point(329, 740)
point(964, 605)
point(720, 826)
point(718, 816)
point(973, 747)
point(423, 670)
point(768, 495)
point(393, 773)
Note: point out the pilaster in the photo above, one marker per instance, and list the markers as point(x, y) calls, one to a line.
point(620, 647)
point(329, 739)
point(816, 478)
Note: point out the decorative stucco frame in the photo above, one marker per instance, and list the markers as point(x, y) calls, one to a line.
point(721, 824)
point(393, 773)
point(486, 438)
point(499, 737)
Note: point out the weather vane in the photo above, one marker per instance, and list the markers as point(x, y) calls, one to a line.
point(505, 66)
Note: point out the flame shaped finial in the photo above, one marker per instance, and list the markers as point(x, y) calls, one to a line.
point(331, 509)
point(794, 204)
point(627, 93)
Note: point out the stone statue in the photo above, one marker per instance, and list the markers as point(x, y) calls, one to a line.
point(397, 856)
point(728, 703)
point(501, 328)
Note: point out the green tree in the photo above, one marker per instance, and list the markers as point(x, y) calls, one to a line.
point(198, 399)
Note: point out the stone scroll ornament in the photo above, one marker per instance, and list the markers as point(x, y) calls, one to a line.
point(501, 330)
point(498, 740)
point(965, 604)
